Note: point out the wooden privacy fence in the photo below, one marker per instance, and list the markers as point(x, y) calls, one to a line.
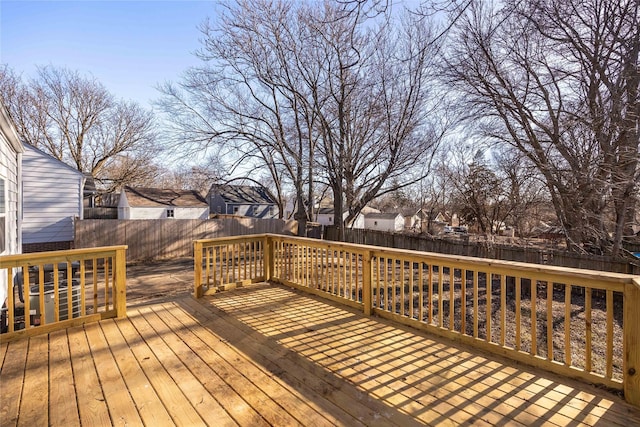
point(501, 251)
point(579, 323)
point(59, 289)
point(169, 238)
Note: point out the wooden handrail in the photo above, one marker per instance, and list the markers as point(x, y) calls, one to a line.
point(462, 298)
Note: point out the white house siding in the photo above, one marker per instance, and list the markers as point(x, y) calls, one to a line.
point(160, 212)
point(52, 197)
point(384, 224)
point(358, 222)
point(10, 165)
point(324, 219)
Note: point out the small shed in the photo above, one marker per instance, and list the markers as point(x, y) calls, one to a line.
point(242, 200)
point(52, 199)
point(159, 203)
point(384, 221)
point(11, 151)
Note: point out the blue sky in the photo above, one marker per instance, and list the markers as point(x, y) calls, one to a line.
point(129, 46)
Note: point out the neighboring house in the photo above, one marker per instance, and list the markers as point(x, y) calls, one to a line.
point(159, 203)
point(384, 221)
point(243, 200)
point(10, 204)
point(421, 223)
point(326, 215)
point(442, 218)
point(412, 219)
point(52, 196)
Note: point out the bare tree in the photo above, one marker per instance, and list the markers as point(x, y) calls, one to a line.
point(314, 93)
point(558, 80)
point(77, 120)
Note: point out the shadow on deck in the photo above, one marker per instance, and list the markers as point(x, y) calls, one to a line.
point(269, 355)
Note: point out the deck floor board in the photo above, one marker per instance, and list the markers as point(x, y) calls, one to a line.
point(11, 380)
point(177, 358)
point(150, 407)
point(156, 364)
point(269, 389)
point(63, 407)
point(122, 409)
point(34, 409)
point(92, 404)
point(269, 355)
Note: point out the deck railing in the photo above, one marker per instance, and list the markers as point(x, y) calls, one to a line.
point(579, 323)
point(229, 262)
point(59, 289)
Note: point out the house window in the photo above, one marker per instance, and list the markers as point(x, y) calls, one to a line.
point(375, 222)
point(3, 216)
point(170, 213)
point(235, 210)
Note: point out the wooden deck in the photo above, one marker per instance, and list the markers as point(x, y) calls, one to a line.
point(269, 355)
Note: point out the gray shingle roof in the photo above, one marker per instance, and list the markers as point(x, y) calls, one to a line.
point(382, 215)
point(149, 197)
point(243, 194)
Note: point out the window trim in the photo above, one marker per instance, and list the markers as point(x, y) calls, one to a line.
point(4, 212)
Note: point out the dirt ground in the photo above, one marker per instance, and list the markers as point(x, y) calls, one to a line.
point(158, 279)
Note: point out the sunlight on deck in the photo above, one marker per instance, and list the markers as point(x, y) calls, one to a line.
point(269, 355)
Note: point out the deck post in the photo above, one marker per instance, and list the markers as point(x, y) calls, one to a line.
point(631, 342)
point(367, 297)
point(120, 283)
point(268, 257)
point(197, 269)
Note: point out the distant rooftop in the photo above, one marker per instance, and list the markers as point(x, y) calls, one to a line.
point(382, 215)
point(151, 197)
point(243, 194)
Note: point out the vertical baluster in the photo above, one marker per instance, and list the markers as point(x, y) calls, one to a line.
point(534, 317)
point(503, 308)
point(430, 293)
point(402, 295)
point(26, 288)
point(245, 261)
point(488, 300)
point(346, 285)
point(421, 292)
point(83, 293)
point(95, 284)
point(567, 325)
point(609, 351)
point(107, 300)
point(463, 301)
point(475, 304)
point(452, 288)
point(587, 329)
point(394, 288)
point(70, 291)
point(440, 298)
point(207, 266)
point(56, 294)
point(411, 311)
point(11, 298)
point(518, 284)
point(549, 321)
point(41, 294)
